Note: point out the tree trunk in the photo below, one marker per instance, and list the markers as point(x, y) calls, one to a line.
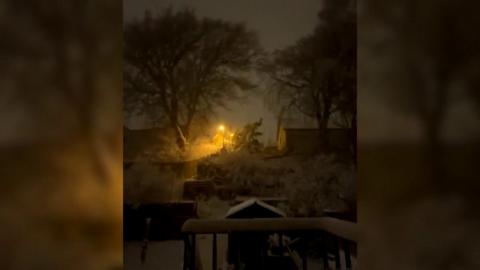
point(181, 140)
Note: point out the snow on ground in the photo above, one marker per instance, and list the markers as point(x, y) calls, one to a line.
point(165, 255)
point(168, 255)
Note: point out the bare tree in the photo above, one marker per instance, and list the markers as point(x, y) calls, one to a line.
point(190, 65)
point(317, 75)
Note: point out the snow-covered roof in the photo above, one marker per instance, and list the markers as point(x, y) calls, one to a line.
point(251, 202)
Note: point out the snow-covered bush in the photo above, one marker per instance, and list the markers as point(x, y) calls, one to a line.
point(248, 174)
point(322, 184)
point(311, 184)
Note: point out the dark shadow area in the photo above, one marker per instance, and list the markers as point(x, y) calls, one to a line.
point(61, 134)
point(419, 134)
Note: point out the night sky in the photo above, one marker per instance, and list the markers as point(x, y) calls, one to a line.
point(279, 23)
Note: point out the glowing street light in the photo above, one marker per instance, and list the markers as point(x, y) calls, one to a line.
point(222, 128)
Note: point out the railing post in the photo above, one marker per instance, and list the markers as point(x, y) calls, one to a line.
point(192, 253)
point(304, 250)
point(214, 252)
point(185, 252)
point(280, 241)
point(336, 249)
point(305, 260)
point(264, 251)
point(346, 250)
point(324, 251)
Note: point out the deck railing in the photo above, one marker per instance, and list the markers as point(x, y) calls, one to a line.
point(331, 238)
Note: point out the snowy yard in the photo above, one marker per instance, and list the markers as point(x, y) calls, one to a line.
point(168, 255)
point(164, 255)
